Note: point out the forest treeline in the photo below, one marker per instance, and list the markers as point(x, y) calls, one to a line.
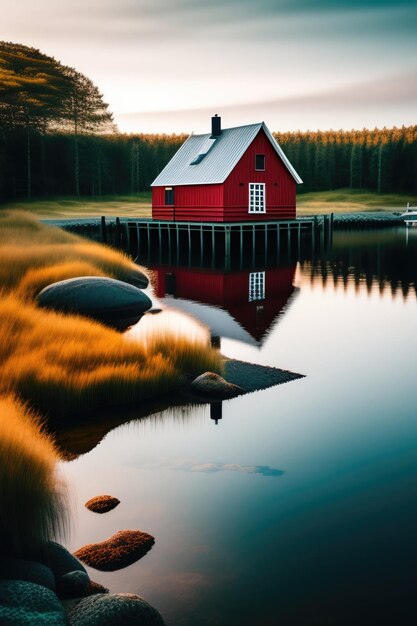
point(376, 160)
point(382, 160)
point(57, 137)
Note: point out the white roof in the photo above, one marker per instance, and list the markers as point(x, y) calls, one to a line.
point(220, 322)
point(220, 157)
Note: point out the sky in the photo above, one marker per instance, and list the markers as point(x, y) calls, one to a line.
point(168, 65)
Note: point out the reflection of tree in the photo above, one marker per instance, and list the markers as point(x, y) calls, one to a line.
point(78, 436)
point(373, 258)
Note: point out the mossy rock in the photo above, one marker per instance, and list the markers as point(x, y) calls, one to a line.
point(27, 604)
point(119, 609)
point(73, 584)
point(59, 560)
point(102, 504)
point(29, 571)
point(120, 550)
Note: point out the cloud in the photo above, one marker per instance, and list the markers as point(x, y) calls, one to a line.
point(190, 465)
point(191, 18)
point(396, 93)
point(147, 55)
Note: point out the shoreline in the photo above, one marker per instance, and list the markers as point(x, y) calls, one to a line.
point(375, 218)
point(75, 435)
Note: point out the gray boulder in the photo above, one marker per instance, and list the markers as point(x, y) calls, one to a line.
point(59, 560)
point(20, 569)
point(105, 299)
point(27, 604)
point(119, 609)
point(73, 584)
point(138, 278)
point(212, 385)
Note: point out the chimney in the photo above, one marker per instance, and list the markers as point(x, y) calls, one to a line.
point(216, 126)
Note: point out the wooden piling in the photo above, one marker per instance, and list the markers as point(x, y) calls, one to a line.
point(190, 237)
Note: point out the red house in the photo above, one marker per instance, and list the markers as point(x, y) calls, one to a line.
point(231, 175)
point(240, 305)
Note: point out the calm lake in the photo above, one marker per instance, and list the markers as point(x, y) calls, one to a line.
point(299, 506)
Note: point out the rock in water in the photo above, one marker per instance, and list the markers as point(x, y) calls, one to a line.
point(102, 504)
point(59, 560)
point(107, 300)
point(28, 604)
point(138, 278)
point(94, 587)
point(30, 571)
point(121, 550)
point(73, 584)
point(214, 386)
point(118, 609)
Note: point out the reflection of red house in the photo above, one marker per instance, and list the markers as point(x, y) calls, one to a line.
point(242, 305)
point(231, 175)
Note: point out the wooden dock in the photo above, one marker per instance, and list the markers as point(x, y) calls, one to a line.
point(152, 238)
point(237, 243)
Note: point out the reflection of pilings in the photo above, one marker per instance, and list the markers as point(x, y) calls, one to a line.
point(216, 412)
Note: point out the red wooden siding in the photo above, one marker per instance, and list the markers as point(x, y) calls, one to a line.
point(193, 203)
point(280, 187)
point(159, 210)
point(203, 286)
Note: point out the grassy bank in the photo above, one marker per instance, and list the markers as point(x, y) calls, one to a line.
point(63, 364)
point(139, 205)
point(32, 498)
point(33, 255)
point(350, 201)
point(318, 202)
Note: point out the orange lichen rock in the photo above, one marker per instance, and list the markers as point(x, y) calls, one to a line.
point(93, 588)
point(102, 504)
point(121, 550)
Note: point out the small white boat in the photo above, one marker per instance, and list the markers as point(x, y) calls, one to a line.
point(410, 215)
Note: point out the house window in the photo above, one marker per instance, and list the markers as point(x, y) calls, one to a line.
point(260, 162)
point(256, 286)
point(169, 195)
point(257, 198)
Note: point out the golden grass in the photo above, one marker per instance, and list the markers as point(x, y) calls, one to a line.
point(138, 205)
point(35, 280)
point(64, 364)
point(350, 201)
point(26, 245)
point(32, 498)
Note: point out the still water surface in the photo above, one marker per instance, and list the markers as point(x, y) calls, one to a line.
point(300, 506)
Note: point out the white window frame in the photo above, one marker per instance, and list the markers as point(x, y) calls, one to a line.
point(257, 198)
point(256, 286)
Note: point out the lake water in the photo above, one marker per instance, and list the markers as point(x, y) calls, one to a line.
point(299, 506)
